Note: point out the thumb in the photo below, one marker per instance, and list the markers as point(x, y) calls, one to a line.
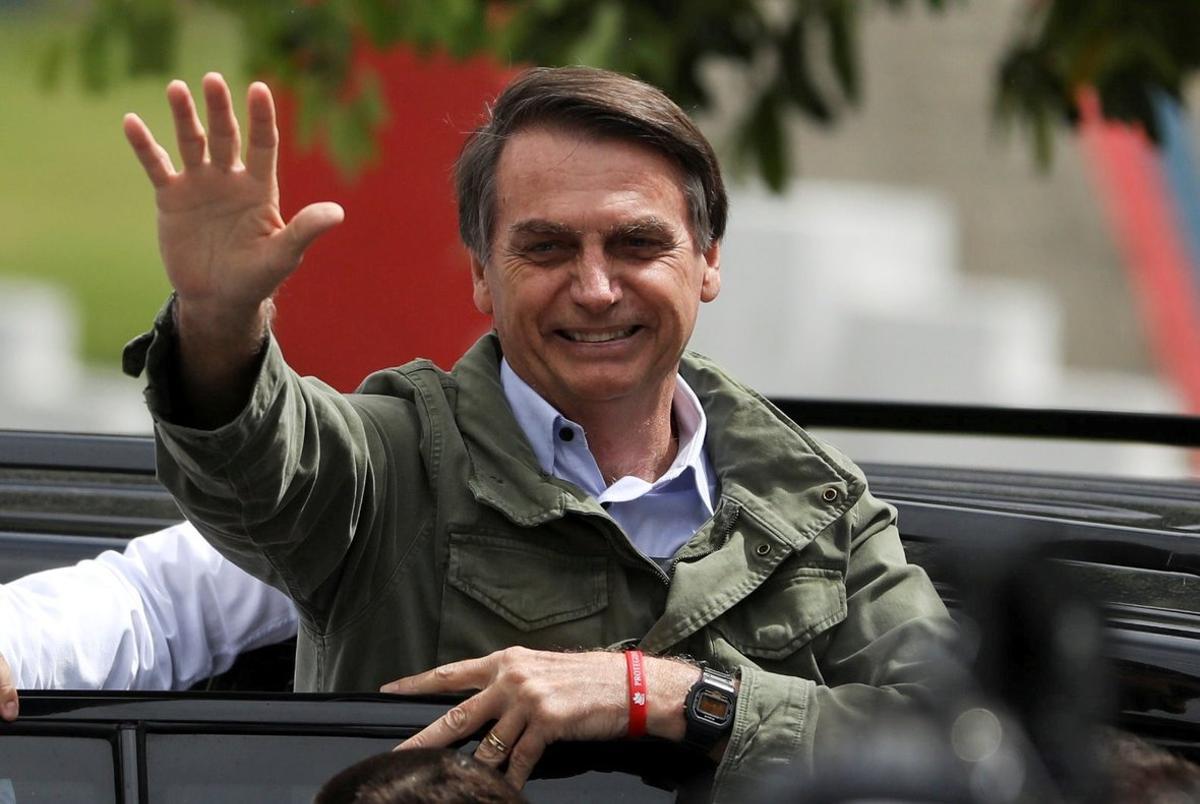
point(310, 223)
point(8, 693)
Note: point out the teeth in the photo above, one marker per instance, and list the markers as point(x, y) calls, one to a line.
point(600, 337)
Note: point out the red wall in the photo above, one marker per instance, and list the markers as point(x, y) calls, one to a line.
point(392, 282)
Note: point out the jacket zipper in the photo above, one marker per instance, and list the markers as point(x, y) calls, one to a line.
point(726, 529)
point(665, 578)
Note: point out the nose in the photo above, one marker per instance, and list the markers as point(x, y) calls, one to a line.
point(594, 285)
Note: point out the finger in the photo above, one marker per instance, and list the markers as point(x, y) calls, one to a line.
point(458, 723)
point(264, 133)
point(188, 131)
point(154, 158)
point(224, 141)
point(307, 225)
point(508, 730)
point(8, 692)
point(467, 674)
point(523, 757)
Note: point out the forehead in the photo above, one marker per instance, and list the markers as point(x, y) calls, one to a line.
point(572, 178)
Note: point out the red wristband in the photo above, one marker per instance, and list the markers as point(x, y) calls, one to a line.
point(637, 692)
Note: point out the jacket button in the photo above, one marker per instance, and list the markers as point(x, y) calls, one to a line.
point(763, 549)
point(829, 495)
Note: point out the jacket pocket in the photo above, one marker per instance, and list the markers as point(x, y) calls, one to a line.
point(785, 613)
point(501, 592)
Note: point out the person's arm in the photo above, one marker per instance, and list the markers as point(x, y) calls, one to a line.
point(164, 614)
point(888, 655)
point(540, 697)
point(256, 457)
point(882, 657)
point(224, 243)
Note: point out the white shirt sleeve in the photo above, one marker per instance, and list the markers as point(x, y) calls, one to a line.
point(164, 614)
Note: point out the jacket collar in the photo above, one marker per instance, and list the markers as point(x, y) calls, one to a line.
point(505, 472)
point(777, 474)
point(780, 476)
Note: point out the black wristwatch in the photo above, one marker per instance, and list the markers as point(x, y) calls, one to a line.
point(709, 709)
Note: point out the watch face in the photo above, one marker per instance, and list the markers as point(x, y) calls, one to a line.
point(713, 706)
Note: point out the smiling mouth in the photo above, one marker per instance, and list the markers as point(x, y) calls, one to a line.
point(598, 336)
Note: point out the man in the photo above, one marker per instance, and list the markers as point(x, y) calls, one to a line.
point(570, 486)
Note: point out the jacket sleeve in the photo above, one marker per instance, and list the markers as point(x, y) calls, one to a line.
point(885, 658)
point(282, 489)
point(163, 614)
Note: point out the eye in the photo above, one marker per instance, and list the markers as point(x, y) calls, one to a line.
point(642, 247)
point(544, 251)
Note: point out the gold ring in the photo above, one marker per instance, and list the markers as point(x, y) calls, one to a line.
point(496, 743)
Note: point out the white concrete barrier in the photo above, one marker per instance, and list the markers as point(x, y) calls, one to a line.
point(43, 384)
point(854, 291)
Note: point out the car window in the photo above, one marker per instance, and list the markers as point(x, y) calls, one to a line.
point(237, 768)
point(246, 769)
point(66, 770)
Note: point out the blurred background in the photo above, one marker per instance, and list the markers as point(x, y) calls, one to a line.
point(927, 201)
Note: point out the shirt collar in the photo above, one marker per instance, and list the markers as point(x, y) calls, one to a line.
point(540, 421)
point(536, 417)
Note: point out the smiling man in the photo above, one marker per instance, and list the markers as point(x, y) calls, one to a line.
point(579, 502)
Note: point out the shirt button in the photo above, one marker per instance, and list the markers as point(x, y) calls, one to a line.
point(829, 495)
point(566, 434)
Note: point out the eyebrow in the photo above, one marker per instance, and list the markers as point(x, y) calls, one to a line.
point(542, 227)
point(648, 226)
point(643, 227)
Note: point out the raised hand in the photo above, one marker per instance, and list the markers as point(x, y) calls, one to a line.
point(224, 244)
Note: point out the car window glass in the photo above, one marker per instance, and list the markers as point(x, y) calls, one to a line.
point(65, 770)
point(236, 768)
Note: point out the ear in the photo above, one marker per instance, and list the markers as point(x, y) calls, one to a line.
point(711, 284)
point(480, 291)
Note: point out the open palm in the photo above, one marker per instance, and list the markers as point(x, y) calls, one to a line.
point(224, 243)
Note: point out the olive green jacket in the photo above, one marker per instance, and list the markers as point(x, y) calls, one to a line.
point(412, 525)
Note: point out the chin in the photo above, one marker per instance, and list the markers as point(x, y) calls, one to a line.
point(601, 390)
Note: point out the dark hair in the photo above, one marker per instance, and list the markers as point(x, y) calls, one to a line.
point(418, 776)
point(1145, 774)
point(602, 104)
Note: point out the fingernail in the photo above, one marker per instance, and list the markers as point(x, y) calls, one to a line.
point(10, 710)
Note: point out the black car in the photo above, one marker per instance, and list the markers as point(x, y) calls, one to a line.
point(1014, 554)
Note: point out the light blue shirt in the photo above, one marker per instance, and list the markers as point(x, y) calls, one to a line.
point(658, 517)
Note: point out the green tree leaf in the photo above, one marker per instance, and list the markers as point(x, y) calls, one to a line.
point(799, 56)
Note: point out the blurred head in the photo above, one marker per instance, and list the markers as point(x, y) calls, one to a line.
point(1141, 773)
point(418, 776)
point(603, 105)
